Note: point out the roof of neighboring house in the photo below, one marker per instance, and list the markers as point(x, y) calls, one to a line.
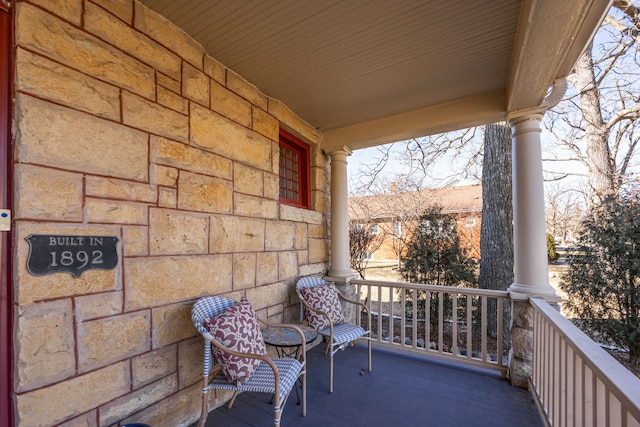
point(453, 199)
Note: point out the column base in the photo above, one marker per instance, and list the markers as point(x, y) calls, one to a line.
point(518, 291)
point(340, 276)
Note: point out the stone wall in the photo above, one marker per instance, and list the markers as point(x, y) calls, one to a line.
point(124, 127)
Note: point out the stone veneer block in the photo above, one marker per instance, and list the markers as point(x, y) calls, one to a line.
point(271, 186)
point(38, 288)
point(265, 124)
point(295, 124)
point(301, 236)
point(154, 365)
point(167, 197)
point(172, 324)
point(254, 206)
point(170, 84)
point(112, 188)
point(220, 135)
point(230, 105)
point(135, 240)
point(215, 69)
point(163, 175)
point(287, 265)
point(244, 270)
point(242, 87)
point(267, 272)
point(98, 305)
point(317, 231)
point(313, 269)
point(54, 404)
point(111, 29)
point(203, 193)
point(155, 281)
point(190, 361)
point(236, 234)
point(247, 180)
point(181, 156)
point(114, 411)
point(62, 85)
point(70, 10)
point(164, 32)
point(48, 194)
point(84, 420)
point(123, 9)
point(60, 41)
point(195, 84)
point(172, 232)
point(291, 213)
point(108, 340)
point(44, 344)
point(172, 411)
point(149, 116)
point(317, 250)
point(279, 235)
point(47, 134)
point(171, 100)
point(116, 212)
point(266, 296)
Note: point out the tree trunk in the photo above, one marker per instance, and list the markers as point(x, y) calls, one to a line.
point(601, 168)
point(496, 232)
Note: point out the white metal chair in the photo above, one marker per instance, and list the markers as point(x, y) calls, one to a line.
point(323, 311)
point(276, 376)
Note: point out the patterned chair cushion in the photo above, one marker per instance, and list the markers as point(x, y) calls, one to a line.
point(325, 298)
point(237, 328)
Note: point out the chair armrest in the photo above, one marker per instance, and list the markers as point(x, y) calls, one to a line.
point(364, 307)
point(266, 359)
point(353, 301)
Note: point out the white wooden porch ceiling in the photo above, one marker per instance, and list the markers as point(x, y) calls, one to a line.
point(370, 72)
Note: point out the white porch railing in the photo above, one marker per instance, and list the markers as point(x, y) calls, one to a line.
point(444, 322)
point(575, 382)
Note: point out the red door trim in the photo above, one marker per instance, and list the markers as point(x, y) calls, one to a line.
point(6, 185)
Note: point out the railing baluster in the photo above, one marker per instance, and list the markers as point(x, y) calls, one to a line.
point(470, 327)
point(379, 313)
point(390, 323)
point(427, 321)
point(403, 318)
point(500, 331)
point(484, 328)
point(440, 320)
point(454, 324)
point(414, 318)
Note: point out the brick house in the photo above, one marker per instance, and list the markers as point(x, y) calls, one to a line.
point(394, 216)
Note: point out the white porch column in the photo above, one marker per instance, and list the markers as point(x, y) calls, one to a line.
point(340, 257)
point(530, 243)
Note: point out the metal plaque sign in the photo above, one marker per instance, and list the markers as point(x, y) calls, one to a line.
point(50, 254)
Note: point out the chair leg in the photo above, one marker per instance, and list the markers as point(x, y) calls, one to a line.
point(205, 406)
point(369, 342)
point(304, 393)
point(276, 416)
point(331, 372)
point(233, 399)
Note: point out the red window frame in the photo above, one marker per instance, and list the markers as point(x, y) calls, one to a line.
point(294, 167)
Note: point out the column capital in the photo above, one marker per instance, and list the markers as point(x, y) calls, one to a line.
point(341, 154)
point(519, 117)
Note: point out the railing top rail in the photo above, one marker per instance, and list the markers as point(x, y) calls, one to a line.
point(434, 288)
point(616, 377)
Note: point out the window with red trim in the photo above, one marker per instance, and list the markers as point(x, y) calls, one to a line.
point(294, 171)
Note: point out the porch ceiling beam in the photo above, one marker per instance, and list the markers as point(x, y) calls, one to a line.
point(475, 110)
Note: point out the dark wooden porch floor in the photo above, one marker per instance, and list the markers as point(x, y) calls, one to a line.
point(402, 390)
